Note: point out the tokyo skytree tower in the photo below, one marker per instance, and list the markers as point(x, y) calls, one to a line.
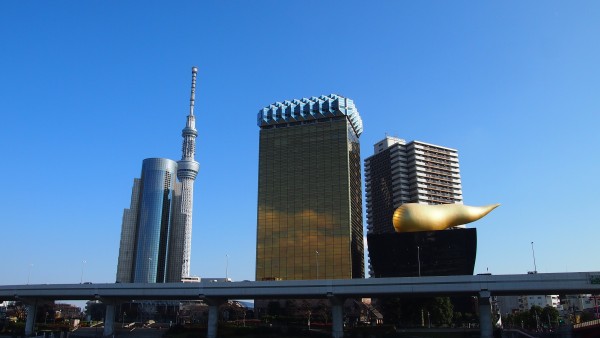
point(186, 173)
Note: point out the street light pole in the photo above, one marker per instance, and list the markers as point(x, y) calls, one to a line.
point(82, 265)
point(317, 258)
point(226, 266)
point(29, 273)
point(534, 265)
point(428, 320)
point(419, 259)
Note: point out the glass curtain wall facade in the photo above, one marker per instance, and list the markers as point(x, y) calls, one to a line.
point(177, 239)
point(152, 233)
point(309, 194)
point(128, 230)
point(157, 228)
point(153, 220)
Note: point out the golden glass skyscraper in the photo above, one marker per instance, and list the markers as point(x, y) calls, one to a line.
point(309, 191)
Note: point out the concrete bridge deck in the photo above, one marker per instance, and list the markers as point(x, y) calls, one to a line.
point(214, 293)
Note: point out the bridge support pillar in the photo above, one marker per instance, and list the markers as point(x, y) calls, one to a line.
point(485, 315)
point(109, 320)
point(337, 316)
point(213, 316)
point(30, 321)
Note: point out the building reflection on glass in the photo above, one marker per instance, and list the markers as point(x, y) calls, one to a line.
point(309, 194)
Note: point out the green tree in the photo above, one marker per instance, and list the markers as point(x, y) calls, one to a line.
point(390, 309)
point(412, 311)
point(550, 316)
point(441, 310)
point(457, 317)
point(274, 308)
point(306, 310)
point(95, 310)
point(521, 319)
point(290, 309)
point(323, 310)
point(586, 316)
point(535, 319)
point(415, 311)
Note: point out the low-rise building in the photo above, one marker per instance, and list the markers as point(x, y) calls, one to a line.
point(526, 302)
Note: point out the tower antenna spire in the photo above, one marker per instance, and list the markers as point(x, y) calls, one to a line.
point(187, 169)
point(193, 92)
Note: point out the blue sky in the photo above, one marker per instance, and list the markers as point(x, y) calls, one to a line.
point(89, 89)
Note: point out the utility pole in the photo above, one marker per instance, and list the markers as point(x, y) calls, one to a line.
point(534, 265)
point(419, 259)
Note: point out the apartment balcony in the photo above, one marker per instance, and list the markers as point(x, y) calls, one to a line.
point(399, 169)
point(441, 182)
point(436, 149)
point(399, 177)
point(397, 164)
point(437, 170)
point(437, 160)
point(437, 189)
point(441, 156)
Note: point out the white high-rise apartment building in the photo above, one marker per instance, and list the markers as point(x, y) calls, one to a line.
point(413, 172)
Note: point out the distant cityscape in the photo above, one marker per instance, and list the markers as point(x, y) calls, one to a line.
point(309, 213)
point(310, 225)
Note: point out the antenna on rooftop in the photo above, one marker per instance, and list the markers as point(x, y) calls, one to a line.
point(534, 265)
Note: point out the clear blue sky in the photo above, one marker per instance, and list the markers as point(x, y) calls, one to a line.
point(88, 89)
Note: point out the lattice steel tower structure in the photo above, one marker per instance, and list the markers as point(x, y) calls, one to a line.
point(186, 173)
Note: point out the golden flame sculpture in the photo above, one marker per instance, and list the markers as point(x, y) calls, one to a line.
point(411, 217)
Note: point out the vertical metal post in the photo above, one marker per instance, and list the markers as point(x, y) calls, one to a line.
point(29, 273)
point(419, 259)
point(317, 259)
point(534, 265)
point(81, 278)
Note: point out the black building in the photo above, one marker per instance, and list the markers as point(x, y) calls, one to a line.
point(424, 253)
